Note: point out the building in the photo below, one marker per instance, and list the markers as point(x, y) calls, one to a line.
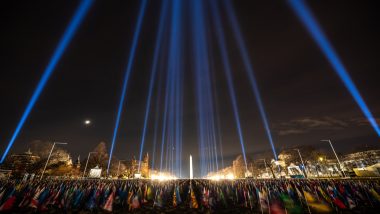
point(361, 159)
point(22, 162)
point(145, 167)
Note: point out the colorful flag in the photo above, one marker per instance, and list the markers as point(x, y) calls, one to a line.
point(375, 194)
point(91, 203)
point(158, 198)
point(263, 200)
point(205, 197)
point(314, 204)
point(109, 202)
point(8, 204)
point(335, 199)
point(34, 202)
point(149, 194)
point(135, 202)
point(290, 205)
point(193, 200)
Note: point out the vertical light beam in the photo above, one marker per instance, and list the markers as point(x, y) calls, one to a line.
point(205, 107)
point(75, 22)
point(126, 77)
point(157, 118)
point(153, 76)
point(249, 70)
point(227, 71)
point(308, 20)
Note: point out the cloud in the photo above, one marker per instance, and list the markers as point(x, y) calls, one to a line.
point(361, 121)
point(291, 131)
point(308, 124)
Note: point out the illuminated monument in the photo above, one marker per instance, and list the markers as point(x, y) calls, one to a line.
point(191, 167)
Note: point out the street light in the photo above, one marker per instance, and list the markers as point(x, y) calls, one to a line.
point(303, 165)
point(340, 165)
point(85, 167)
point(47, 161)
point(266, 168)
point(118, 167)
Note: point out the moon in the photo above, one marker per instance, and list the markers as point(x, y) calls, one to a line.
point(87, 122)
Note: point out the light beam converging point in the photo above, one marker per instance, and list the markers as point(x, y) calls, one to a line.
point(126, 78)
point(311, 24)
point(75, 22)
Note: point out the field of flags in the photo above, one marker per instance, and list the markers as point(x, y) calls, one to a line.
point(195, 196)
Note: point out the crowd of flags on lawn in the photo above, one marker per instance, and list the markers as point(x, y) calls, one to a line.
point(262, 196)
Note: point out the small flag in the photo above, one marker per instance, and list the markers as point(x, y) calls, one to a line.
point(314, 204)
point(193, 200)
point(109, 202)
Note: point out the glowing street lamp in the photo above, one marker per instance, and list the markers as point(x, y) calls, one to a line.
point(118, 167)
point(303, 164)
point(88, 157)
point(266, 168)
point(336, 156)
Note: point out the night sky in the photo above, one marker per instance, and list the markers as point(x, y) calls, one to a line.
point(305, 100)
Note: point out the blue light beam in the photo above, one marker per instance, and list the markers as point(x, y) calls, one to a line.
point(75, 22)
point(157, 118)
point(308, 20)
point(153, 75)
point(171, 120)
point(165, 118)
point(227, 71)
point(205, 107)
point(249, 70)
point(126, 78)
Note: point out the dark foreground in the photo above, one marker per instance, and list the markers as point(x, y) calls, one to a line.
point(185, 196)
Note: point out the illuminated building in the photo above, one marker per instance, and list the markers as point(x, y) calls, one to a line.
point(22, 162)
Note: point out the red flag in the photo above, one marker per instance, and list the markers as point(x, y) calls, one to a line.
point(109, 203)
point(8, 204)
point(34, 202)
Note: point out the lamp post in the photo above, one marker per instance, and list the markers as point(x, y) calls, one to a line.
point(340, 165)
point(118, 167)
point(266, 168)
point(303, 164)
point(321, 165)
point(85, 167)
point(47, 161)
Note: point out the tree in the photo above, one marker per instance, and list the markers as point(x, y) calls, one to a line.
point(238, 166)
point(100, 159)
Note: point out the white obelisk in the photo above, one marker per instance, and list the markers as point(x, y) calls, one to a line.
point(191, 167)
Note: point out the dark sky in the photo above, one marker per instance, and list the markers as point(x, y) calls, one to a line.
point(304, 99)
